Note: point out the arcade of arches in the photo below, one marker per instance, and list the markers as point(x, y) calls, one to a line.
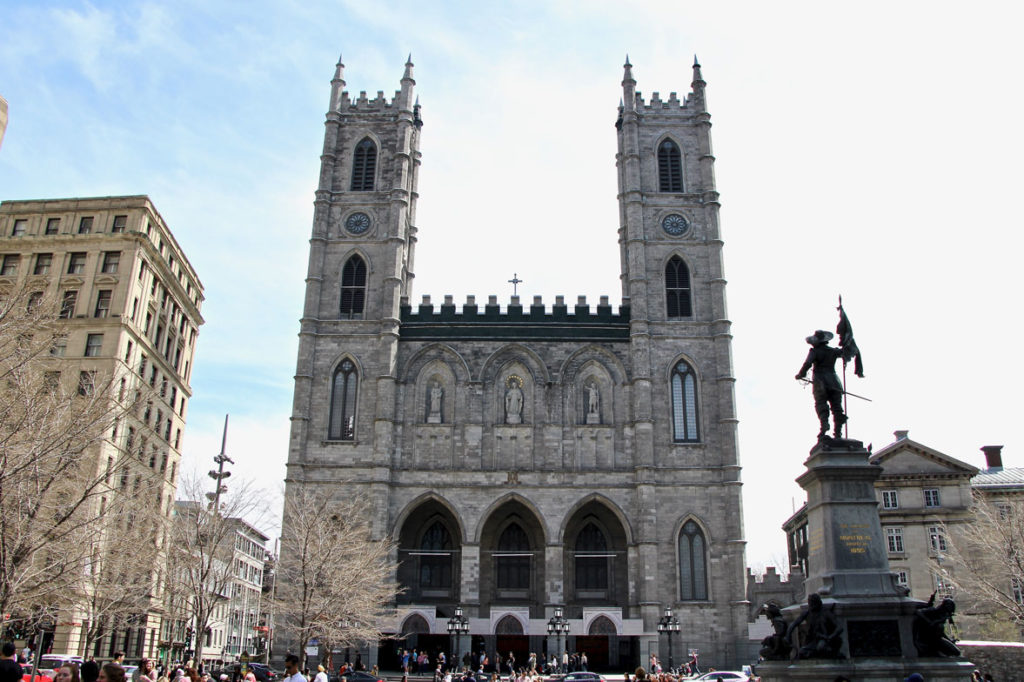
point(519, 570)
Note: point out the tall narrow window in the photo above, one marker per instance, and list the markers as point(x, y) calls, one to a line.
point(20, 226)
point(103, 303)
point(43, 262)
point(513, 559)
point(436, 558)
point(677, 289)
point(670, 167)
point(53, 225)
point(684, 404)
point(364, 166)
point(67, 304)
point(353, 289)
point(343, 402)
point(592, 559)
point(693, 583)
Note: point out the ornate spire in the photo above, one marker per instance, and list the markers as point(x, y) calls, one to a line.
point(337, 85)
point(697, 77)
point(628, 86)
point(407, 85)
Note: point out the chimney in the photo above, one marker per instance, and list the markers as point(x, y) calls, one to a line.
point(993, 456)
point(901, 435)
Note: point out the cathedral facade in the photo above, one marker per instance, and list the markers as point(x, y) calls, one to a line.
point(531, 460)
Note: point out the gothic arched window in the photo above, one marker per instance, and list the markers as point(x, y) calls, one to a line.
point(353, 289)
point(670, 167)
point(677, 288)
point(591, 559)
point(693, 579)
point(684, 404)
point(364, 166)
point(513, 559)
point(436, 558)
point(343, 402)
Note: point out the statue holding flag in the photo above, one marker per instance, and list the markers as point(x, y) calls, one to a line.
point(828, 391)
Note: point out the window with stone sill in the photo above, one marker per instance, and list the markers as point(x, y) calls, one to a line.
point(10, 264)
point(342, 425)
point(85, 225)
point(93, 345)
point(683, 386)
point(931, 497)
point(111, 260)
point(890, 499)
point(43, 263)
point(120, 222)
point(903, 578)
point(693, 582)
point(76, 263)
point(677, 289)
point(52, 226)
point(103, 303)
point(20, 225)
point(937, 539)
point(894, 539)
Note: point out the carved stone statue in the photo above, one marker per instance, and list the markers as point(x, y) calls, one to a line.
point(828, 391)
point(436, 395)
point(593, 404)
point(930, 636)
point(513, 403)
point(775, 647)
point(822, 636)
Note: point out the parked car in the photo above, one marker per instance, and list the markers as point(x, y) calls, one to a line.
point(262, 672)
point(583, 677)
point(726, 676)
point(26, 674)
point(359, 676)
point(54, 661)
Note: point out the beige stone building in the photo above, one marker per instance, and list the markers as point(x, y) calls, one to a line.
point(531, 458)
point(130, 301)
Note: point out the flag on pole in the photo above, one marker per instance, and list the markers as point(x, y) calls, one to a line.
point(850, 350)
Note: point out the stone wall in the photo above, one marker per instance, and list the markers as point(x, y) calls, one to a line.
point(1003, 660)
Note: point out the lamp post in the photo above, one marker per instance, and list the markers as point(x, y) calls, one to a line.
point(558, 626)
point(667, 625)
point(458, 625)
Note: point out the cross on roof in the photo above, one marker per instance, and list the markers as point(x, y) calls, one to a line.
point(515, 282)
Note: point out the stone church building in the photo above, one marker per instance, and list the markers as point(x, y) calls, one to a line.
point(526, 457)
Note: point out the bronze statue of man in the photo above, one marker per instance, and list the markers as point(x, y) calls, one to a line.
point(828, 391)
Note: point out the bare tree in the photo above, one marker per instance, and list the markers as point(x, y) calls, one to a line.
point(335, 583)
point(121, 579)
point(201, 565)
point(984, 561)
point(54, 485)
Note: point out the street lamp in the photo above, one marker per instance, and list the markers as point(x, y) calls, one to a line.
point(457, 625)
point(558, 627)
point(667, 625)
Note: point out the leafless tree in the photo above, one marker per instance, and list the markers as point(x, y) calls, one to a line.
point(335, 583)
point(201, 566)
point(54, 485)
point(984, 561)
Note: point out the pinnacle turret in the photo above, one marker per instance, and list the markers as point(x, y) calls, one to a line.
point(337, 85)
point(628, 86)
point(697, 76)
point(405, 96)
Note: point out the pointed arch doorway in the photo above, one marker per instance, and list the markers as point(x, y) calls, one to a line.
point(511, 639)
point(601, 644)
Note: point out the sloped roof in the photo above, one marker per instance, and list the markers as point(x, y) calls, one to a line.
point(907, 445)
point(999, 478)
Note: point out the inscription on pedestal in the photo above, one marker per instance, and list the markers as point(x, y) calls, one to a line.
point(874, 638)
point(855, 537)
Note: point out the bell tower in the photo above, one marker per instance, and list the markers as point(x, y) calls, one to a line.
point(360, 266)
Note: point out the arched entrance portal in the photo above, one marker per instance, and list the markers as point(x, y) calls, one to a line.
point(601, 644)
point(512, 559)
point(511, 641)
point(429, 556)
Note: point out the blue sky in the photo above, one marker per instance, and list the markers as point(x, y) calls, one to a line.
point(869, 149)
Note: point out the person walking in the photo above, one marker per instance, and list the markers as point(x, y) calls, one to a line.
point(10, 671)
point(291, 669)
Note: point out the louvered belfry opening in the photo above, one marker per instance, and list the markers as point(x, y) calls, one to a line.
point(670, 167)
point(353, 288)
point(364, 166)
point(677, 288)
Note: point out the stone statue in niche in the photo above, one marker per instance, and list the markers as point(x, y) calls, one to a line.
point(514, 400)
point(593, 404)
point(436, 395)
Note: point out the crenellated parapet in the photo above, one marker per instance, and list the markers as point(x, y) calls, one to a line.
point(515, 322)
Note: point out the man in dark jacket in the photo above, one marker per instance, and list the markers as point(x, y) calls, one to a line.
point(828, 391)
point(10, 671)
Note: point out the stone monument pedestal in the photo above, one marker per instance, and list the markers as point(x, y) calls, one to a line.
point(848, 566)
